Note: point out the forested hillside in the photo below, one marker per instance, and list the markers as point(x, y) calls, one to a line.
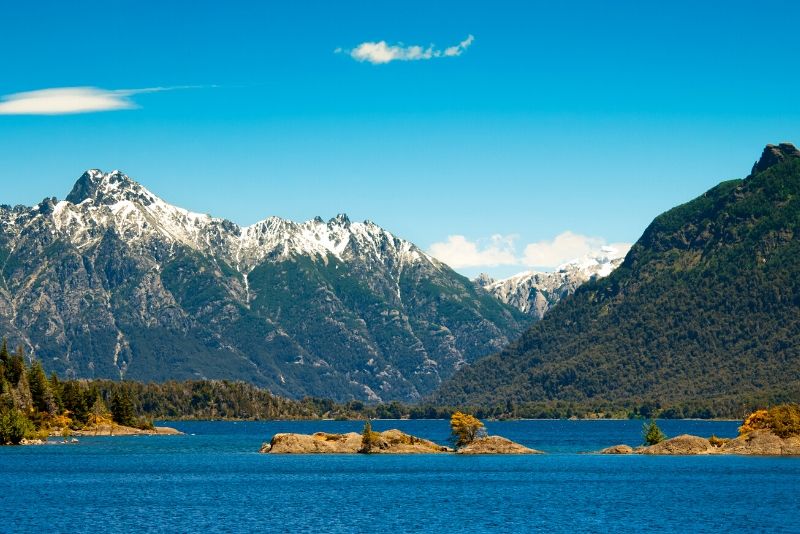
point(705, 310)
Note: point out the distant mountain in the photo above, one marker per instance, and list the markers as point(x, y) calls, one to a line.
point(534, 293)
point(114, 282)
point(705, 308)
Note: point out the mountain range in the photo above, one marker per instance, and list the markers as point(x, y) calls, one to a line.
point(705, 308)
point(114, 282)
point(535, 292)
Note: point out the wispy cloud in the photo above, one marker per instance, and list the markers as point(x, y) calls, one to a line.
point(499, 250)
point(72, 100)
point(380, 52)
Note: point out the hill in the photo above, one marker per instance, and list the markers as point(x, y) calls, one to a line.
point(705, 309)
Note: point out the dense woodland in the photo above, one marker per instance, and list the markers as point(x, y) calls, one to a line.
point(32, 405)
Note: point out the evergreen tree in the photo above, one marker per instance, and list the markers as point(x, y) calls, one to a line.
point(122, 409)
point(367, 438)
point(57, 389)
point(4, 356)
point(16, 367)
point(652, 433)
point(41, 396)
point(75, 401)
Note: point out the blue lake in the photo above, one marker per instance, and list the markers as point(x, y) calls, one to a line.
point(213, 480)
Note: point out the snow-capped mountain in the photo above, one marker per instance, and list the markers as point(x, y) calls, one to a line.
point(115, 282)
point(534, 293)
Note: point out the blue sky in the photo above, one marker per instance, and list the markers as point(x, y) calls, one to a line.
point(584, 117)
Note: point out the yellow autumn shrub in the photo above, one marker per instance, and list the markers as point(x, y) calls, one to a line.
point(465, 428)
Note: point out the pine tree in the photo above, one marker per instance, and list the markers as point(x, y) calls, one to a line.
point(4, 352)
point(122, 409)
point(652, 433)
point(16, 367)
point(367, 438)
point(41, 396)
point(75, 402)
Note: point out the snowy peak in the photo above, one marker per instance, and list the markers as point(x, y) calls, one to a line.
point(535, 292)
point(108, 188)
point(102, 201)
point(600, 263)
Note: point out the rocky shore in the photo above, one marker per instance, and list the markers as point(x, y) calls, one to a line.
point(755, 443)
point(120, 430)
point(387, 442)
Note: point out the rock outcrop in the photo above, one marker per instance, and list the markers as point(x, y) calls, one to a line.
point(680, 445)
point(495, 445)
point(319, 443)
point(775, 154)
point(119, 430)
point(397, 442)
point(387, 442)
point(762, 443)
point(618, 449)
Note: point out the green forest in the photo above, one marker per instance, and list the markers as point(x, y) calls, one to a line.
point(33, 405)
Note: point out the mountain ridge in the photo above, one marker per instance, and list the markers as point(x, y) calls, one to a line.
point(536, 292)
point(115, 282)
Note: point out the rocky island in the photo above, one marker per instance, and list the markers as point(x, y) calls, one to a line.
point(773, 432)
point(468, 434)
point(387, 442)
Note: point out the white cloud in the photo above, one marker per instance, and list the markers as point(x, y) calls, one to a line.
point(564, 247)
point(499, 250)
point(380, 52)
point(458, 252)
point(72, 100)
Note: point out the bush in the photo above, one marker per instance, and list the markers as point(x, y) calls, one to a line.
point(465, 428)
point(717, 442)
point(783, 420)
point(369, 439)
point(758, 420)
point(652, 433)
point(14, 426)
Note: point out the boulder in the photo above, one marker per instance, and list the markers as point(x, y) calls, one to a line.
point(618, 449)
point(680, 445)
point(495, 445)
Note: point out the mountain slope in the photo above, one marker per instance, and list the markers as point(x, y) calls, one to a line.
point(534, 293)
point(114, 282)
point(705, 306)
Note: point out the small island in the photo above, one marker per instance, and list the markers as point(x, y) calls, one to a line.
point(468, 433)
point(773, 432)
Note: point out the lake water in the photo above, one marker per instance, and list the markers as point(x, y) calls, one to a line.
point(213, 480)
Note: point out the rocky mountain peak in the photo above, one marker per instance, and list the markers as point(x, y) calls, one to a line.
point(484, 280)
point(774, 154)
point(341, 220)
point(108, 188)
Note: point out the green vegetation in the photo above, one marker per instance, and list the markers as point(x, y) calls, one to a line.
point(652, 433)
point(700, 320)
